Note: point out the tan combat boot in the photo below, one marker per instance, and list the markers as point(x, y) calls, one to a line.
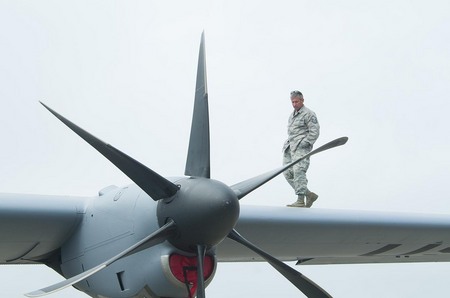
point(299, 203)
point(310, 198)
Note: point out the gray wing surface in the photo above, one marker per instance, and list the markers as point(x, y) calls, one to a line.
point(32, 227)
point(321, 236)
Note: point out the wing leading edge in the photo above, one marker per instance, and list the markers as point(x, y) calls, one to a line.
point(33, 227)
point(320, 236)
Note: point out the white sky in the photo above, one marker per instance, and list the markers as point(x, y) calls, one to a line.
point(375, 71)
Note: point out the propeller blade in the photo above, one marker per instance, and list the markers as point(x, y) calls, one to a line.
point(201, 251)
point(198, 159)
point(243, 188)
point(158, 236)
point(156, 186)
point(304, 284)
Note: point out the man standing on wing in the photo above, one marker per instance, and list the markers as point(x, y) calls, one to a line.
point(303, 131)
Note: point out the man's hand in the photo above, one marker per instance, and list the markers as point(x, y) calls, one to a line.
point(305, 145)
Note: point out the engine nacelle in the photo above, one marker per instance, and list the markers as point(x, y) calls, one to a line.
point(114, 221)
point(151, 272)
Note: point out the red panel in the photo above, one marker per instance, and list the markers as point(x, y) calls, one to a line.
point(185, 269)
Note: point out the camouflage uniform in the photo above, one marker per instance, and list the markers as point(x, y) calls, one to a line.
point(303, 131)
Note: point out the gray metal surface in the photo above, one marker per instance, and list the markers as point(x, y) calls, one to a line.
point(155, 238)
point(32, 226)
point(321, 236)
point(205, 211)
point(198, 158)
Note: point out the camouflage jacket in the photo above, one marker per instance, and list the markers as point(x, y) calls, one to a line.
point(302, 127)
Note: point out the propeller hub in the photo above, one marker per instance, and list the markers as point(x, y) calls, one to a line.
point(204, 211)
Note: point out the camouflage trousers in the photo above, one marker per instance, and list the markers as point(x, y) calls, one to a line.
point(296, 175)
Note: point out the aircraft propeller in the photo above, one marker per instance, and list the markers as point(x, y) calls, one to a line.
point(200, 212)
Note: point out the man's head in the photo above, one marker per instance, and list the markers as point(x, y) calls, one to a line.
point(297, 100)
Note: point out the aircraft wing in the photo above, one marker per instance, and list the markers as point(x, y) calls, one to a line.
point(321, 236)
point(32, 227)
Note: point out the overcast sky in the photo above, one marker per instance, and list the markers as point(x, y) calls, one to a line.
point(375, 71)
